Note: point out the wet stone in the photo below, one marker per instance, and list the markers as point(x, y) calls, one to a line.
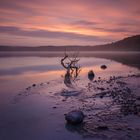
point(28, 88)
point(103, 67)
point(91, 75)
point(54, 107)
point(74, 117)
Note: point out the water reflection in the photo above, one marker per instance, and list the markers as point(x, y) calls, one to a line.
point(127, 58)
point(67, 79)
point(70, 78)
point(14, 77)
point(21, 70)
point(72, 69)
point(75, 128)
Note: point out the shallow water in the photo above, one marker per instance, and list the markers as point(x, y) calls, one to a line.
point(34, 116)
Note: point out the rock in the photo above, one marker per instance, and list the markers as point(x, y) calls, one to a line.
point(100, 88)
point(74, 117)
point(54, 107)
point(63, 100)
point(28, 88)
point(34, 85)
point(103, 67)
point(138, 98)
point(104, 127)
point(41, 84)
point(91, 75)
point(101, 96)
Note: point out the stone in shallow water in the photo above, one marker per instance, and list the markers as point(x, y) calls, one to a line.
point(103, 67)
point(91, 75)
point(34, 85)
point(74, 117)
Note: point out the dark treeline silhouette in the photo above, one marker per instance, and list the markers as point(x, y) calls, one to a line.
point(127, 44)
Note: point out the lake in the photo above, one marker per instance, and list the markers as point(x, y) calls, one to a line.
point(39, 112)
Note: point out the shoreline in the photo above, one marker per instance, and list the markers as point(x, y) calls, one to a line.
point(108, 109)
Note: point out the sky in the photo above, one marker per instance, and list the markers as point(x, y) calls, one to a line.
point(67, 22)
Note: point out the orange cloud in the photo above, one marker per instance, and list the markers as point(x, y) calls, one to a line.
point(107, 20)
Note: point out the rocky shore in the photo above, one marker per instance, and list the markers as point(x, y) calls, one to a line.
point(111, 107)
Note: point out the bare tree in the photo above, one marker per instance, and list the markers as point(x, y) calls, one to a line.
point(72, 67)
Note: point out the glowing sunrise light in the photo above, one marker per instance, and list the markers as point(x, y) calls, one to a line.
point(54, 22)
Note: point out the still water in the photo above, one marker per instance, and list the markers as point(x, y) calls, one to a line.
point(33, 116)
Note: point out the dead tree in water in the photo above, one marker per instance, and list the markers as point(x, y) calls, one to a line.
point(72, 67)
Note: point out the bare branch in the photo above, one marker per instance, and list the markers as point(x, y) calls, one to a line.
point(62, 61)
point(72, 67)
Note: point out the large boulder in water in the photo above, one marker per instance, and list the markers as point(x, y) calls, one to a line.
point(74, 117)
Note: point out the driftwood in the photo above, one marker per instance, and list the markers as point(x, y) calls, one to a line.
point(72, 67)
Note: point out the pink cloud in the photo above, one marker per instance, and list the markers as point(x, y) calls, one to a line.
point(106, 19)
